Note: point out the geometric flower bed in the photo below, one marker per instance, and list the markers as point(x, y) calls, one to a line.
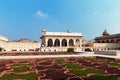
point(82, 68)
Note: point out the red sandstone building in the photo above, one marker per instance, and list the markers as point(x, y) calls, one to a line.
point(107, 41)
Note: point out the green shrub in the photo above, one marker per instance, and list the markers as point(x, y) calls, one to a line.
point(70, 50)
point(88, 49)
point(1, 49)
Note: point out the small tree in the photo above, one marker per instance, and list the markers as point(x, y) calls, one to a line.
point(70, 50)
point(1, 49)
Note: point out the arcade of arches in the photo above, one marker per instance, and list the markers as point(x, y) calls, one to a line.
point(107, 38)
point(109, 41)
point(63, 43)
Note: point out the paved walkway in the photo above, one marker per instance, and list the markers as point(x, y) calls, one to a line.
point(56, 56)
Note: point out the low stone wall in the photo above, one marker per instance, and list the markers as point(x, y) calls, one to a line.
point(15, 46)
point(109, 52)
point(59, 49)
point(106, 46)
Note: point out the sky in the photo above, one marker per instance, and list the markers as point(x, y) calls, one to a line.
point(25, 18)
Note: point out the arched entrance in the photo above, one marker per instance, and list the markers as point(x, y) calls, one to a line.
point(64, 42)
point(71, 42)
point(107, 41)
point(103, 41)
point(57, 43)
point(112, 41)
point(118, 41)
point(50, 42)
point(78, 43)
point(99, 41)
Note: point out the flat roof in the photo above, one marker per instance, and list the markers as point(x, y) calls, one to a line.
point(61, 34)
point(3, 38)
point(108, 36)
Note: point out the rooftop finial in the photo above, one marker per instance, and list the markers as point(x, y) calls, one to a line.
point(43, 30)
point(68, 31)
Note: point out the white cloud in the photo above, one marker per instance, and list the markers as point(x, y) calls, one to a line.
point(41, 14)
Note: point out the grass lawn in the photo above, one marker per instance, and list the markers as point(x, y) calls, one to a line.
point(20, 65)
point(21, 69)
point(60, 61)
point(90, 59)
point(101, 78)
point(15, 64)
point(30, 76)
point(73, 65)
point(114, 64)
point(23, 62)
point(85, 72)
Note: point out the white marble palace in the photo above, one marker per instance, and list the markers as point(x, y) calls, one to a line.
point(60, 41)
point(51, 42)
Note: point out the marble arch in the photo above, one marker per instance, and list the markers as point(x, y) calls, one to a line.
point(77, 43)
point(71, 42)
point(57, 43)
point(50, 42)
point(64, 43)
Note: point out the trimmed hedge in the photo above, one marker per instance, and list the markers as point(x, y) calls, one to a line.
point(70, 50)
point(88, 49)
